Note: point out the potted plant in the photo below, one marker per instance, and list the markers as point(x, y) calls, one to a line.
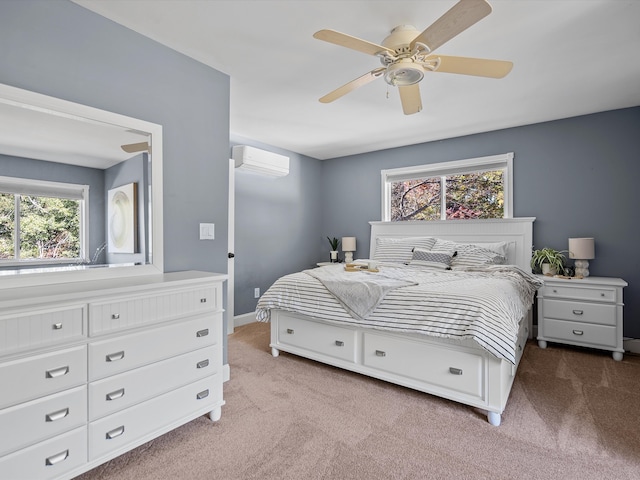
point(548, 261)
point(334, 242)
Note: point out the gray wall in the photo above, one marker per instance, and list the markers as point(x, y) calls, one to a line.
point(277, 224)
point(58, 48)
point(576, 176)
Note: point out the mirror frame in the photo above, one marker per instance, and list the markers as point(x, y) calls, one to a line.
point(27, 99)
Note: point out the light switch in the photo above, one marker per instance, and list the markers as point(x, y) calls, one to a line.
point(207, 231)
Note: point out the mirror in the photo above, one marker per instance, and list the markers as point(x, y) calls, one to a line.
point(119, 158)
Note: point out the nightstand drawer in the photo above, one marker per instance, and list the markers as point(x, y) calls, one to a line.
point(580, 312)
point(579, 292)
point(580, 333)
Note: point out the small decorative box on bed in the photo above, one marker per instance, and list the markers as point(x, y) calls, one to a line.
point(448, 313)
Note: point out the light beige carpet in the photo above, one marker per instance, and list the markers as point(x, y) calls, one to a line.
point(572, 414)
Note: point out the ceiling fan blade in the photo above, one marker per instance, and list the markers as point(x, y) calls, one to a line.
point(456, 20)
point(479, 67)
point(353, 84)
point(348, 41)
point(136, 147)
point(410, 98)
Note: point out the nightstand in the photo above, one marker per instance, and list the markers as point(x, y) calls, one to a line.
point(585, 312)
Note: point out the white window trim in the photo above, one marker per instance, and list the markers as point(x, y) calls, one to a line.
point(502, 161)
point(44, 188)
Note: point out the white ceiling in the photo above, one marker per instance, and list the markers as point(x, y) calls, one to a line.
point(571, 57)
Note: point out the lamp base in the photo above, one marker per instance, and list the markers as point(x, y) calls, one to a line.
point(348, 257)
point(582, 268)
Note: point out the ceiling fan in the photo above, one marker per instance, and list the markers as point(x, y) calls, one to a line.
point(406, 54)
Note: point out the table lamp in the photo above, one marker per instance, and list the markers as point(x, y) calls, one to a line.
point(582, 250)
point(348, 247)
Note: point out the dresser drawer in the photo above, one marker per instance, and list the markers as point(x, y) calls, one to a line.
point(126, 389)
point(603, 314)
point(108, 357)
point(40, 375)
point(586, 334)
point(48, 459)
point(579, 292)
point(135, 311)
point(43, 418)
point(439, 366)
point(133, 424)
point(326, 339)
point(39, 328)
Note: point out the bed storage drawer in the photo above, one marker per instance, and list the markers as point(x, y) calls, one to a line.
point(439, 366)
point(321, 338)
point(580, 333)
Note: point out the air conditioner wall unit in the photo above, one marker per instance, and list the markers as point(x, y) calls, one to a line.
point(255, 160)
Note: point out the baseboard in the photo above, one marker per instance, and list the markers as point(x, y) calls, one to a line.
point(244, 319)
point(631, 345)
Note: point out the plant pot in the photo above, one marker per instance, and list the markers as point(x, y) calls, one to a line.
point(547, 269)
point(334, 256)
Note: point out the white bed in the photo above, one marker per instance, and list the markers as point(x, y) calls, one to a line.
point(457, 369)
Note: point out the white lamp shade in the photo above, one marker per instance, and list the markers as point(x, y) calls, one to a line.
point(582, 248)
point(348, 244)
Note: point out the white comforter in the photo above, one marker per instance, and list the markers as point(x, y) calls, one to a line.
point(485, 304)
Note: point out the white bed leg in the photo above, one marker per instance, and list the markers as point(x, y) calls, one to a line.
point(216, 414)
point(617, 356)
point(542, 343)
point(275, 352)
point(494, 418)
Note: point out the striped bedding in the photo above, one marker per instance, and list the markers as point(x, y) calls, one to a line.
point(484, 304)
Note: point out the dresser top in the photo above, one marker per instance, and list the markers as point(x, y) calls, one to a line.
point(588, 281)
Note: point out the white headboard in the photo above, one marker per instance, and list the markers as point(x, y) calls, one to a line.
point(517, 232)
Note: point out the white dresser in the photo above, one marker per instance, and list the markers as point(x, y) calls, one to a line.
point(586, 312)
point(91, 370)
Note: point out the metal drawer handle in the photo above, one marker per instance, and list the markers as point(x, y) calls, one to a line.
point(57, 372)
point(116, 432)
point(602, 294)
point(339, 343)
point(290, 331)
point(57, 458)
point(578, 332)
point(202, 333)
point(114, 357)
point(578, 312)
point(115, 316)
point(53, 416)
point(203, 300)
point(115, 395)
point(203, 363)
point(380, 353)
point(203, 394)
point(555, 291)
point(455, 371)
point(57, 326)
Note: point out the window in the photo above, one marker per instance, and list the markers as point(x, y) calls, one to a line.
point(42, 222)
point(465, 189)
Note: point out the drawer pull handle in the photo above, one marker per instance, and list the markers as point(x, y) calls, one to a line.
point(555, 291)
point(380, 353)
point(339, 343)
point(290, 331)
point(203, 394)
point(578, 312)
point(455, 371)
point(115, 395)
point(57, 458)
point(53, 416)
point(203, 363)
point(578, 332)
point(202, 333)
point(114, 357)
point(203, 300)
point(116, 432)
point(57, 326)
point(115, 316)
point(602, 294)
point(57, 372)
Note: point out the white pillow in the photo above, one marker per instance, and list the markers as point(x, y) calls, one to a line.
point(400, 250)
point(439, 260)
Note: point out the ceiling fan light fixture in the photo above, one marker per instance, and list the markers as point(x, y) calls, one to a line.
point(404, 73)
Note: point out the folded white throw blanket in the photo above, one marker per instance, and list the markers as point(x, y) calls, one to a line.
point(359, 292)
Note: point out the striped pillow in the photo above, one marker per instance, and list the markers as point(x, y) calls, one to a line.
point(440, 260)
point(472, 255)
point(399, 250)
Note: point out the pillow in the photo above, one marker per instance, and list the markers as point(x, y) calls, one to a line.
point(473, 255)
point(399, 250)
point(440, 260)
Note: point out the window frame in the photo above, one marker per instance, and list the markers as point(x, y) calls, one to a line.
point(46, 188)
point(502, 162)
